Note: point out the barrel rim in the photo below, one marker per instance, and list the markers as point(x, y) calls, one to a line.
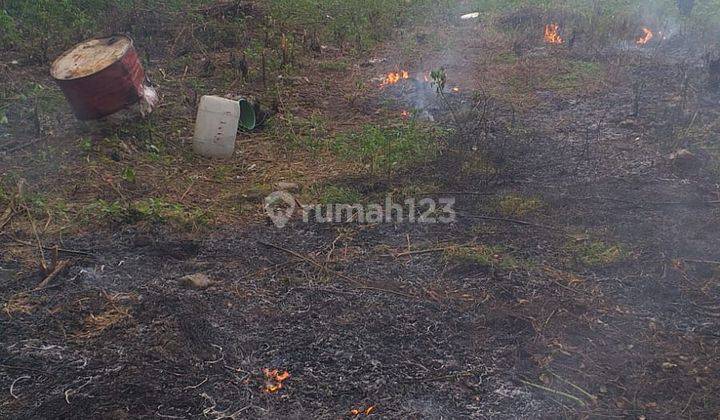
point(71, 49)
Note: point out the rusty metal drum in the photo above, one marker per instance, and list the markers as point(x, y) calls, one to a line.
point(100, 77)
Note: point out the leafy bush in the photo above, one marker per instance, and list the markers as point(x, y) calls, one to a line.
point(36, 26)
point(8, 31)
point(40, 22)
point(360, 23)
point(388, 148)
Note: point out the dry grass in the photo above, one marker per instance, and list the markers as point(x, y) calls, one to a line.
point(20, 303)
point(95, 325)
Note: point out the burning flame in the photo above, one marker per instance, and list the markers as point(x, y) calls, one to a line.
point(647, 36)
point(456, 89)
point(551, 34)
point(274, 380)
point(367, 411)
point(394, 77)
point(405, 114)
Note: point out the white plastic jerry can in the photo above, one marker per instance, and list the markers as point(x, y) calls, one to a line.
point(216, 127)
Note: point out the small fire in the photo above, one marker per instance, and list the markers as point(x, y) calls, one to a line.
point(551, 34)
point(647, 36)
point(394, 77)
point(405, 114)
point(367, 411)
point(456, 89)
point(274, 380)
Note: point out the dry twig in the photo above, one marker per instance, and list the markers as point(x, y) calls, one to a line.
point(48, 248)
point(7, 216)
point(59, 268)
point(556, 392)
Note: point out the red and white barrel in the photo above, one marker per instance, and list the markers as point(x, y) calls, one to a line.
point(100, 77)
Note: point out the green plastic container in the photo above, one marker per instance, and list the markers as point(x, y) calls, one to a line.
point(248, 119)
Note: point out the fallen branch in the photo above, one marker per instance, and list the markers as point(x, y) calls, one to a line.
point(48, 248)
point(59, 268)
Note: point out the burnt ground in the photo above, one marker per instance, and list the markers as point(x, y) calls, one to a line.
point(600, 301)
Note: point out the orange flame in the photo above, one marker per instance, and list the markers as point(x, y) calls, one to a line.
point(367, 411)
point(274, 380)
point(405, 114)
point(394, 77)
point(551, 34)
point(456, 89)
point(647, 36)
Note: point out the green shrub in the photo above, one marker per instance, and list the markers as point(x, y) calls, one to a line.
point(37, 26)
point(388, 148)
point(8, 31)
point(360, 23)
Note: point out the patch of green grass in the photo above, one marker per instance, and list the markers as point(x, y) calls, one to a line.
point(129, 175)
point(85, 144)
point(504, 57)
point(513, 205)
point(477, 163)
point(491, 257)
point(302, 133)
point(595, 254)
point(257, 191)
point(222, 172)
point(155, 210)
point(332, 194)
point(573, 75)
point(415, 188)
point(338, 65)
point(107, 210)
point(385, 149)
point(46, 100)
point(356, 23)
